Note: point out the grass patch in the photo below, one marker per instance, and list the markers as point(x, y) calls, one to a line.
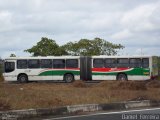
point(46, 95)
point(4, 105)
point(153, 84)
point(79, 84)
point(158, 78)
point(123, 85)
point(130, 85)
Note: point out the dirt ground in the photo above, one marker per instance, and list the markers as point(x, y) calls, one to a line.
point(46, 95)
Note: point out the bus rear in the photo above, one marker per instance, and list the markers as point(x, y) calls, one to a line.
point(154, 65)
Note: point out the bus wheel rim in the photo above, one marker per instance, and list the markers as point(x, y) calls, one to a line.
point(69, 78)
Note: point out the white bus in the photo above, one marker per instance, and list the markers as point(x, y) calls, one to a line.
point(70, 68)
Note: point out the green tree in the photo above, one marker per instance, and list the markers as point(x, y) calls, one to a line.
point(87, 47)
point(46, 47)
point(12, 55)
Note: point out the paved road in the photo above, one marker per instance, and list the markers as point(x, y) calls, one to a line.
point(143, 114)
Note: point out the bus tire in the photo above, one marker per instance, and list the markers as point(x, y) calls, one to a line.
point(68, 78)
point(22, 78)
point(122, 77)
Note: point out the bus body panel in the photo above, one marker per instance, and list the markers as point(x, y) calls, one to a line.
point(85, 70)
point(131, 77)
point(105, 73)
point(36, 74)
point(103, 77)
point(58, 74)
point(9, 77)
point(111, 73)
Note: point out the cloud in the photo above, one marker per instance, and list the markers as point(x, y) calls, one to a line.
point(140, 18)
point(135, 24)
point(5, 21)
point(139, 27)
point(122, 35)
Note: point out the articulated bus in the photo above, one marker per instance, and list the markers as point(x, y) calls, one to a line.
point(70, 68)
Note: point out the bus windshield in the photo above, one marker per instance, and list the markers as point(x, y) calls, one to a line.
point(9, 66)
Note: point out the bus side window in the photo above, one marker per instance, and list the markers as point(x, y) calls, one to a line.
point(59, 63)
point(145, 63)
point(98, 63)
point(9, 66)
point(46, 63)
point(22, 64)
point(33, 63)
point(135, 62)
point(110, 62)
point(72, 63)
point(122, 62)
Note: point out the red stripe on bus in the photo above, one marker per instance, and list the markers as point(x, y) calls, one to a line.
point(108, 69)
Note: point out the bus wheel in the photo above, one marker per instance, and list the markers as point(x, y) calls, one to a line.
point(122, 77)
point(23, 78)
point(68, 78)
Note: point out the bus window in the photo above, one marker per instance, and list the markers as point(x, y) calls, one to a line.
point(110, 63)
point(135, 62)
point(98, 63)
point(58, 63)
point(122, 62)
point(72, 63)
point(33, 63)
point(145, 63)
point(22, 64)
point(46, 63)
point(9, 66)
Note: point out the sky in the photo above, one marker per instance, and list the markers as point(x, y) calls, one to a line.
point(132, 23)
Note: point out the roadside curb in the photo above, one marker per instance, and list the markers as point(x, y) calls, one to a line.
point(75, 109)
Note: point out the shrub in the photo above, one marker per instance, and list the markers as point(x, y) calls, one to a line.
point(123, 85)
point(79, 84)
point(4, 105)
point(153, 84)
point(130, 85)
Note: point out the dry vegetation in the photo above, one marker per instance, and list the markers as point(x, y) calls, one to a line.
point(1, 78)
point(43, 95)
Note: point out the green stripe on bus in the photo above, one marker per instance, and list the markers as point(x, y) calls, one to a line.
point(58, 72)
point(135, 71)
